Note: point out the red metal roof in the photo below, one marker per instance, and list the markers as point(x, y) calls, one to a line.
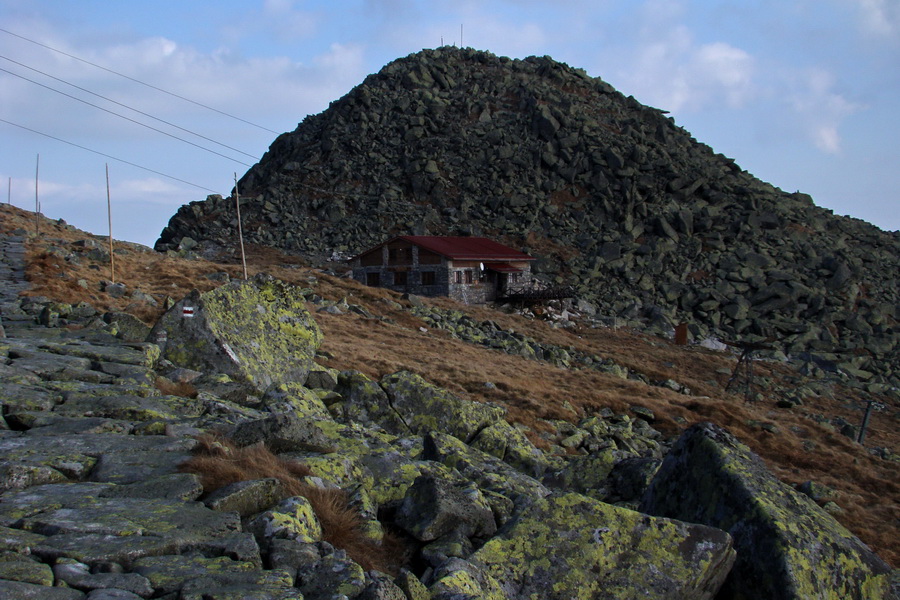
point(466, 248)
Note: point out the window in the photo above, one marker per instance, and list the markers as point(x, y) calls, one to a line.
point(373, 278)
point(427, 277)
point(457, 277)
point(400, 278)
point(400, 256)
point(468, 276)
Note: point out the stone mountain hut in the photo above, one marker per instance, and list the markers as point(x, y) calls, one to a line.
point(472, 270)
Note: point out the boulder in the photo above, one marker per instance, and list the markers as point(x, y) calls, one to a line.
point(787, 546)
point(570, 546)
point(257, 331)
point(490, 473)
point(424, 407)
point(292, 519)
point(435, 507)
point(282, 432)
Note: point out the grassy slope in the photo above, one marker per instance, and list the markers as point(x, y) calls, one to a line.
point(800, 450)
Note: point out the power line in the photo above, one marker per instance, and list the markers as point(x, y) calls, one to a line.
point(53, 137)
point(144, 83)
point(126, 118)
point(126, 106)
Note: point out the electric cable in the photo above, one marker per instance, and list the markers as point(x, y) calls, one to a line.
point(124, 117)
point(159, 89)
point(53, 137)
point(126, 106)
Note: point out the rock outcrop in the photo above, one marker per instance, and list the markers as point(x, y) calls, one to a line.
point(255, 331)
point(787, 546)
point(650, 226)
point(96, 499)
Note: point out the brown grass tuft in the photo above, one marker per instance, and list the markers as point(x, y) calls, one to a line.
point(219, 462)
point(173, 388)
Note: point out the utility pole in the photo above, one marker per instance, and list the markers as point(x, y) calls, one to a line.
point(237, 203)
point(112, 257)
point(37, 202)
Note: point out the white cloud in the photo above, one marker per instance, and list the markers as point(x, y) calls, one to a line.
point(820, 109)
point(675, 73)
point(881, 17)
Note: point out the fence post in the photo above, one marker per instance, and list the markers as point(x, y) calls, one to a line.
point(862, 428)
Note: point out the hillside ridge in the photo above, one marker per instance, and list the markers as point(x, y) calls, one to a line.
point(612, 196)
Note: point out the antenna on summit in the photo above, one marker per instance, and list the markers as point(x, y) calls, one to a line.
point(460, 35)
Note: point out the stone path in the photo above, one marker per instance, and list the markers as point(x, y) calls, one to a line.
point(12, 281)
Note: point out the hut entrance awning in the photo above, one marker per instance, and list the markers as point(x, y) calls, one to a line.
point(502, 268)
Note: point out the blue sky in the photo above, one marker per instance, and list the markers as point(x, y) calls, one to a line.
point(804, 94)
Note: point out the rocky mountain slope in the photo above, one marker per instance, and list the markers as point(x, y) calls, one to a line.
point(648, 224)
point(101, 498)
point(95, 431)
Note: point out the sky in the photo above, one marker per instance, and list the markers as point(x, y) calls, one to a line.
point(176, 97)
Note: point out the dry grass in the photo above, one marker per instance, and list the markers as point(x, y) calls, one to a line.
point(801, 450)
point(219, 462)
point(173, 388)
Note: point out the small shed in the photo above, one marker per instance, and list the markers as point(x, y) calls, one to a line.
point(473, 270)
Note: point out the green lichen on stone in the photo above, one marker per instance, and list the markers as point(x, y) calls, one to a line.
point(572, 547)
point(787, 546)
point(168, 573)
point(24, 569)
point(338, 469)
point(292, 519)
point(257, 331)
point(587, 474)
point(293, 397)
point(424, 407)
point(458, 579)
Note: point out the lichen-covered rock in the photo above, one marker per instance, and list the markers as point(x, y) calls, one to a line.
point(15, 567)
point(246, 497)
point(291, 519)
point(380, 587)
point(424, 407)
point(78, 575)
point(568, 547)
point(458, 579)
point(256, 330)
point(787, 546)
point(490, 473)
point(79, 508)
point(364, 401)
point(434, 507)
point(30, 591)
point(331, 576)
point(321, 378)
point(293, 397)
point(512, 446)
point(168, 573)
point(282, 432)
point(412, 586)
point(16, 540)
point(258, 585)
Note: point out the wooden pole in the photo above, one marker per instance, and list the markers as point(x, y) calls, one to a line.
point(237, 203)
point(37, 203)
point(112, 256)
point(862, 429)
